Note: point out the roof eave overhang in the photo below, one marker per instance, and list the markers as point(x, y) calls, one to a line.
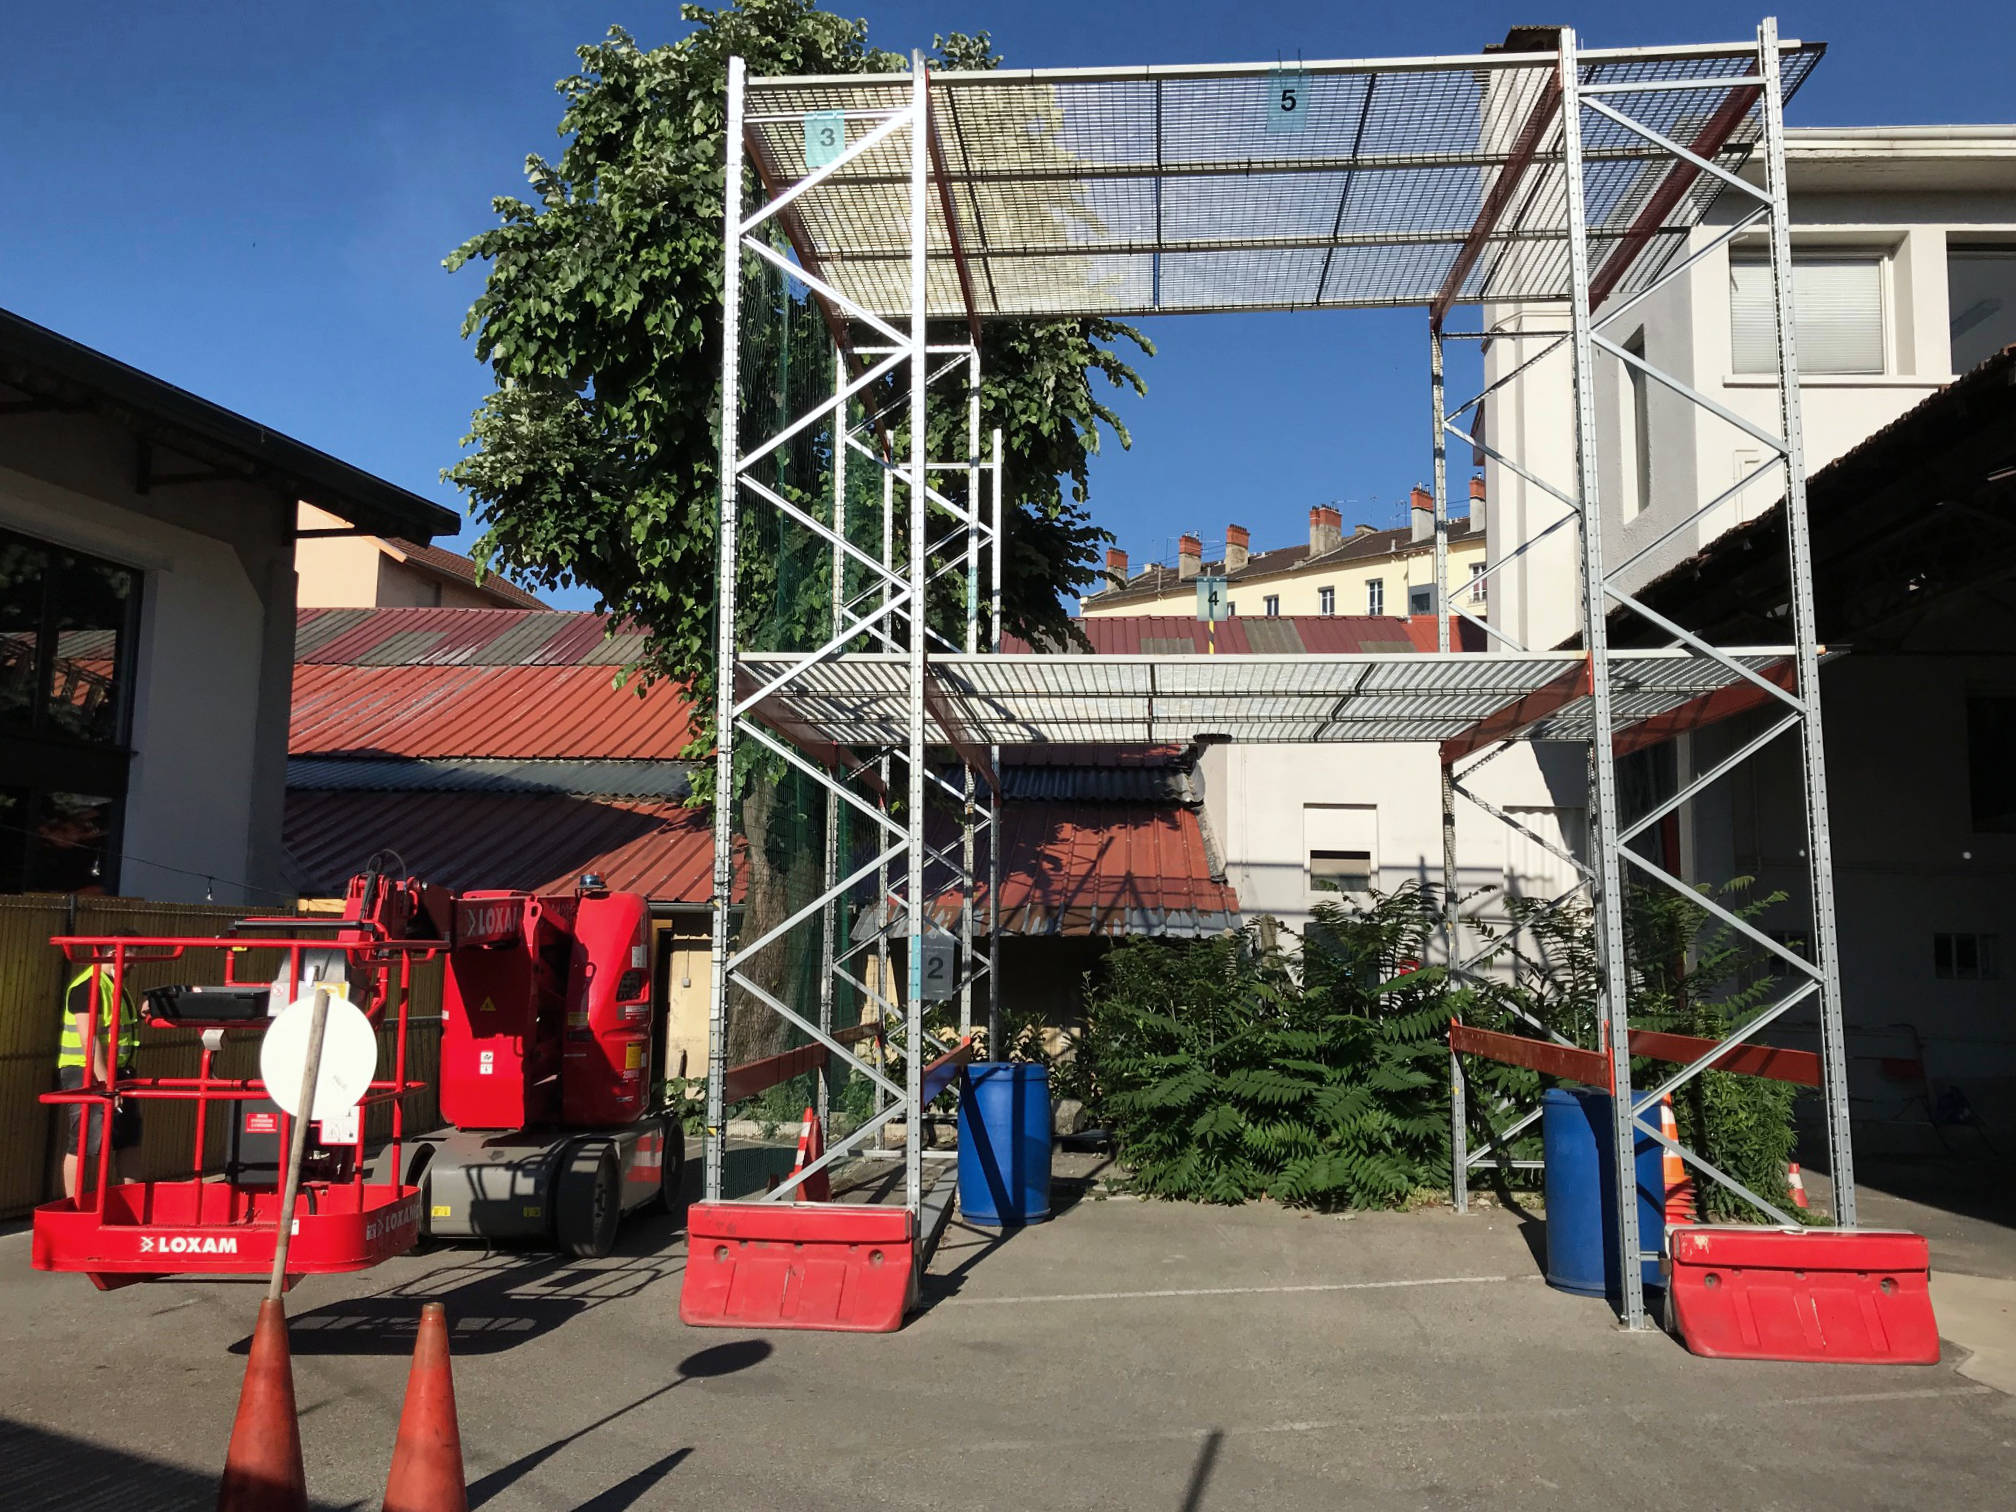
point(42, 363)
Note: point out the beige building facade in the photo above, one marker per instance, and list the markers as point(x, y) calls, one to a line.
point(343, 568)
point(1367, 572)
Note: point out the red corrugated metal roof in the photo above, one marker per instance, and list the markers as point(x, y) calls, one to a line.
point(536, 842)
point(415, 637)
point(529, 712)
point(1085, 869)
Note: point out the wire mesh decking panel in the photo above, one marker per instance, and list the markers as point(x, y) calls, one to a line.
point(1146, 190)
point(860, 700)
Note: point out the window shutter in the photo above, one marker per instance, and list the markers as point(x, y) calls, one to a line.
point(1837, 315)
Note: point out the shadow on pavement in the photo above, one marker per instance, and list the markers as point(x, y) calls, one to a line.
point(719, 1360)
point(494, 1302)
point(44, 1470)
point(1200, 1473)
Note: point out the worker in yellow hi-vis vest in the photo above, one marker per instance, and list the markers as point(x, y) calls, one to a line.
point(87, 1034)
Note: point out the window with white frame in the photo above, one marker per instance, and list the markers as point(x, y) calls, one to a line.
point(1326, 600)
point(1340, 840)
point(1477, 582)
point(1375, 595)
point(1270, 604)
point(1837, 313)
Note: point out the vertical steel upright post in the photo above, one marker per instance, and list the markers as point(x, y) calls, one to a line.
point(997, 832)
point(919, 569)
point(1595, 639)
point(1441, 484)
point(830, 915)
point(972, 645)
point(1459, 1167)
point(724, 652)
point(1805, 640)
point(885, 978)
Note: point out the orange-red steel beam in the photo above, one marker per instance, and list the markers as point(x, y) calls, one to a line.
point(751, 1077)
point(1707, 709)
point(942, 715)
point(940, 175)
point(938, 1075)
point(1502, 189)
point(1710, 139)
point(1801, 1067)
point(1526, 709)
point(1590, 1067)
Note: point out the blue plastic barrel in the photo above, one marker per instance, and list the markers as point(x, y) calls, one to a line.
point(1004, 1144)
point(1582, 1194)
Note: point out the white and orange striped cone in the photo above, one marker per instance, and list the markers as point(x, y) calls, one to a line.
point(1673, 1170)
point(811, 1145)
point(1797, 1184)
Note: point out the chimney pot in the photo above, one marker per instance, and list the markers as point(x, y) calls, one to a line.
point(1189, 557)
point(1236, 541)
point(1422, 504)
point(1116, 567)
point(1326, 530)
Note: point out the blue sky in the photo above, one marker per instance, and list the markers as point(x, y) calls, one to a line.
point(253, 200)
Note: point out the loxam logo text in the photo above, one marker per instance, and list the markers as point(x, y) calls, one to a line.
point(188, 1244)
point(406, 1215)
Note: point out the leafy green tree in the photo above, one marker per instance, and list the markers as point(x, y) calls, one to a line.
point(596, 458)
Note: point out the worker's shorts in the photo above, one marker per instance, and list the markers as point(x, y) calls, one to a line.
point(125, 1121)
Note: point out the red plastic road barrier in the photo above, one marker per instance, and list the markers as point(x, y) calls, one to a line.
point(427, 1456)
point(262, 1468)
point(1839, 1296)
point(847, 1269)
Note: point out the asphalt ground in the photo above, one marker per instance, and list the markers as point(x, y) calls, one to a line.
point(1125, 1355)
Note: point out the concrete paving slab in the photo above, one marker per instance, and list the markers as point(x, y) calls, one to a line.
point(1127, 1354)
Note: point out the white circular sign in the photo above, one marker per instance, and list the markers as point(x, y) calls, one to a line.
point(349, 1056)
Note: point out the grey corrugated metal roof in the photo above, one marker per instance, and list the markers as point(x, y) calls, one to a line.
point(394, 774)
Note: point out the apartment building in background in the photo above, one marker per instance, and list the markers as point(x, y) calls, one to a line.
point(1904, 290)
point(1367, 572)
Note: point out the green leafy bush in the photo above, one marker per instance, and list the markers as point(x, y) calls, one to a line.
point(1230, 1069)
point(1228, 1074)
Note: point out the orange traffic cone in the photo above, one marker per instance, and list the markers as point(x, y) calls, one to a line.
point(427, 1459)
point(262, 1468)
point(1679, 1185)
point(1798, 1185)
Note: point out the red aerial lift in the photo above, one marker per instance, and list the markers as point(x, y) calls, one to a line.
point(547, 1054)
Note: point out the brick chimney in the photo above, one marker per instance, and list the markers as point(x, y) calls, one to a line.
point(1116, 567)
point(1477, 515)
point(1326, 530)
point(1421, 505)
point(1189, 557)
point(1236, 553)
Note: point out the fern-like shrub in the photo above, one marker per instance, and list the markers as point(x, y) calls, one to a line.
point(1229, 1070)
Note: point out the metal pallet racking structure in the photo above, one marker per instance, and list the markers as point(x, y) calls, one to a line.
point(1559, 176)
